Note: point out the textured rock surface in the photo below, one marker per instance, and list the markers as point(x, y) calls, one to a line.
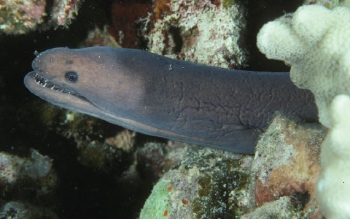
point(201, 31)
point(286, 163)
point(207, 183)
point(280, 208)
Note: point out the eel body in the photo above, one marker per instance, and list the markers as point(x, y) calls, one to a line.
point(155, 95)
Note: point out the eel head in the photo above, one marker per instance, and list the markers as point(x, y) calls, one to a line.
point(81, 80)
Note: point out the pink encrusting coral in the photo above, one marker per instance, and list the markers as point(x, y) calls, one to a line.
point(64, 11)
point(21, 16)
point(8, 168)
point(13, 168)
point(286, 163)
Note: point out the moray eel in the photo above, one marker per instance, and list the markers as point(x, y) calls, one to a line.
point(220, 108)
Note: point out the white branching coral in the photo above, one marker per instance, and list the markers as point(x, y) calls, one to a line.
point(333, 187)
point(315, 42)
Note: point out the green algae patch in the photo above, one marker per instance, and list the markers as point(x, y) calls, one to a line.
point(158, 203)
point(228, 3)
point(221, 192)
point(206, 184)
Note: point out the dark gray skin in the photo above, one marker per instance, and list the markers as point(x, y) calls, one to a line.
point(210, 106)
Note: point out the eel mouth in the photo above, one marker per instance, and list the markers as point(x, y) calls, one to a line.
point(59, 95)
point(46, 83)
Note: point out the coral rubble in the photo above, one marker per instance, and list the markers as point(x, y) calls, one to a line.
point(23, 16)
point(20, 210)
point(63, 11)
point(201, 31)
point(14, 168)
point(281, 209)
point(286, 163)
point(22, 179)
point(207, 183)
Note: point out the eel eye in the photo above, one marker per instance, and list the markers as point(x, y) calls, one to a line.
point(72, 76)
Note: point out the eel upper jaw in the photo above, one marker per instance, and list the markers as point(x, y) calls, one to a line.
point(58, 95)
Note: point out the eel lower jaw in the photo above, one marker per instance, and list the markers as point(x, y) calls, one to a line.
point(58, 95)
